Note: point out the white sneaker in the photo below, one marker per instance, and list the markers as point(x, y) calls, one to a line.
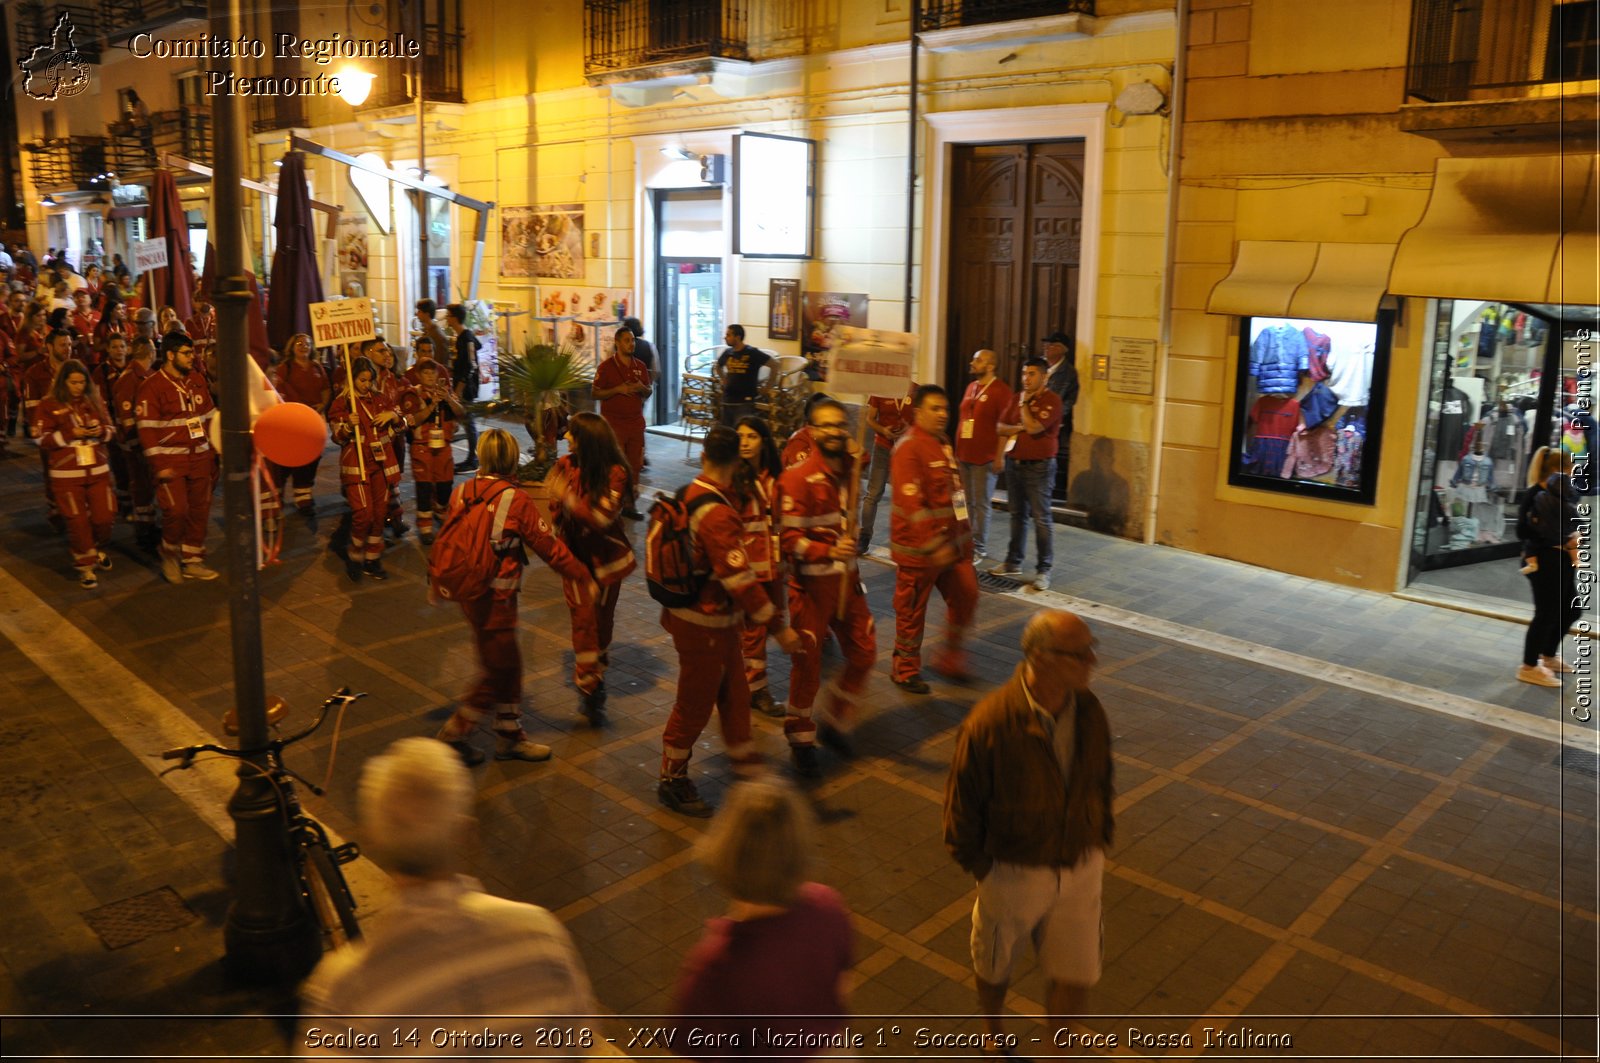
point(86, 578)
point(1041, 582)
point(197, 570)
point(1538, 675)
point(170, 570)
point(1555, 664)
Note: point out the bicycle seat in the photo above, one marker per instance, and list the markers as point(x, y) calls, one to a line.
point(277, 709)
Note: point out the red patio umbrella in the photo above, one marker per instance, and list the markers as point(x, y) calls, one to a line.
point(260, 349)
point(173, 285)
point(294, 280)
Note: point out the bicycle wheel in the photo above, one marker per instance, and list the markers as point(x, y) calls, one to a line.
point(329, 895)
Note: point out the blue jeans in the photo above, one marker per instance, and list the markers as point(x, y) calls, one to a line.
point(469, 426)
point(975, 484)
point(877, 478)
point(1028, 486)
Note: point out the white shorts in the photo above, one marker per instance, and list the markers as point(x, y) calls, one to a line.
point(1058, 908)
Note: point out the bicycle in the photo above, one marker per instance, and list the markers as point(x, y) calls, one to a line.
point(317, 860)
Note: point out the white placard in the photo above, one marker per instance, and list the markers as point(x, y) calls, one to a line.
point(868, 361)
point(342, 321)
point(150, 254)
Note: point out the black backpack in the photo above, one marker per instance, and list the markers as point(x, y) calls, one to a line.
point(1528, 515)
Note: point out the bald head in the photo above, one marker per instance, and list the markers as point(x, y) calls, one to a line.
point(983, 362)
point(1051, 628)
point(1058, 652)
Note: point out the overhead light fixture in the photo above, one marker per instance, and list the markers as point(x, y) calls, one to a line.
point(679, 153)
point(48, 201)
point(354, 85)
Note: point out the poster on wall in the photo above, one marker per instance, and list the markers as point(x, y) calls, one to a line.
point(1308, 407)
point(820, 314)
point(783, 309)
point(351, 254)
point(581, 318)
point(545, 241)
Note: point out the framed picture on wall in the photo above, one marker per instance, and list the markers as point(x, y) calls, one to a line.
point(1308, 406)
point(783, 309)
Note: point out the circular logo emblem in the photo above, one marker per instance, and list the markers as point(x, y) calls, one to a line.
point(909, 489)
point(68, 74)
point(736, 558)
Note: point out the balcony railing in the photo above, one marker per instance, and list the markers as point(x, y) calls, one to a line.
point(944, 14)
point(628, 34)
point(1496, 49)
point(67, 163)
point(132, 149)
point(36, 25)
point(124, 18)
point(268, 113)
point(441, 73)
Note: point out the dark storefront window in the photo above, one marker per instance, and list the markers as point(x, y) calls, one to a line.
point(1309, 404)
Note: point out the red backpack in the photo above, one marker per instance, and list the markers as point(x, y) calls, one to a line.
point(466, 553)
point(669, 571)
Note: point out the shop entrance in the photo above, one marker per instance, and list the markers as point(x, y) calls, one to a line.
point(1016, 230)
point(688, 298)
point(1504, 381)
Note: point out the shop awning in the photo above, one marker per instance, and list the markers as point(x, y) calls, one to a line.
point(132, 210)
point(1298, 278)
point(1518, 229)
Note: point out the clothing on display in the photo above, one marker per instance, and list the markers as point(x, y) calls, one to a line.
point(1350, 374)
point(1273, 419)
point(1317, 348)
point(1453, 414)
point(1277, 358)
point(1473, 478)
point(1348, 443)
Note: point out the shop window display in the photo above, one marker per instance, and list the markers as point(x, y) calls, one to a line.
point(1308, 405)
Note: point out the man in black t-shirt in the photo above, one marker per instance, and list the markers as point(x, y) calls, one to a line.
point(464, 377)
point(740, 369)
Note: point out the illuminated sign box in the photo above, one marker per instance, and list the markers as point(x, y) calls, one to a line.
point(774, 196)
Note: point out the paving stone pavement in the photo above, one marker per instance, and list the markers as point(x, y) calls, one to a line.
point(1294, 856)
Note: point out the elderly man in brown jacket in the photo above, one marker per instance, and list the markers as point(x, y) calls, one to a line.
point(1028, 811)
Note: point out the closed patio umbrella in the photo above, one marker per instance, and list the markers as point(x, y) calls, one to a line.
point(173, 285)
point(294, 280)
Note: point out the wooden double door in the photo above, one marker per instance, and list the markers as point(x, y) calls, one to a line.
point(1016, 225)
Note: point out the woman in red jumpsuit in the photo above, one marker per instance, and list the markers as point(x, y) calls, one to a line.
point(588, 489)
point(299, 378)
point(430, 407)
point(493, 617)
point(365, 425)
point(758, 487)
point(390, 385)
point(73, 429)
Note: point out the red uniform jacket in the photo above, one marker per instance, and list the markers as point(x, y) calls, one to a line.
point(760, 529)
point(892, 414)
point(33, 384)
point(69, 457)
point(812, 518)
point(523, 525)
point(1047, 411)
point(84, 322)
point(172, 417)
point(377, 442)
point(732, 594)
point(799, 447)
point(105, 377)
point(302, 383)
point(591, 530)
point(125, 403)
point(202, 326)
point(977, 442)
point(622, 411)
point(929, 511)
point(9, 325)
point(431, 458)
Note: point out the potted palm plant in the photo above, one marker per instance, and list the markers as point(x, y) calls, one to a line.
point(534, 386)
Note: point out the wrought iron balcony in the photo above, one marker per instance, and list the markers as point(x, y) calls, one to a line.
point(269, 113)
point(1492, 49)
point(623, 35)
point(124, 18)
point(945, 14)
point(442, 44)
point(65, 163)
point(36, 26)
point(132, 149)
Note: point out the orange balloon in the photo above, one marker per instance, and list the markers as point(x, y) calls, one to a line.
point(291, 434)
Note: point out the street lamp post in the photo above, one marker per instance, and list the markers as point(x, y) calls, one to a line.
point(269, 935)
point(422, 155)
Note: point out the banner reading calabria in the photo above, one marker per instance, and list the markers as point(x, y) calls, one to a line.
point(869, 361)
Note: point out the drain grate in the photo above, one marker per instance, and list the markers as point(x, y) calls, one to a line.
point(127, 922)
point(1580, 761)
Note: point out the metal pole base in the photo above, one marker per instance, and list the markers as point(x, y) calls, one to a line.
point(271, 936)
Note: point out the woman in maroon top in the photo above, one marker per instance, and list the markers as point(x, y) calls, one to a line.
point(301, 379)
point(780, 954)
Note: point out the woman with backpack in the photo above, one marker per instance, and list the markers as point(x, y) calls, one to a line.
point(1547, 524)
point(757, 485)
point(492, 511)
point(588, 488)
point(365, 424)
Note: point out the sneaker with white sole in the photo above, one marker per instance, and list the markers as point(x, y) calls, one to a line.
point(198, 570)
point(1555, 664)
point(171, 571)
point(520, 749)
point(1538, 675)
point(87, 578)
point(1041, 582)
point(102, 561)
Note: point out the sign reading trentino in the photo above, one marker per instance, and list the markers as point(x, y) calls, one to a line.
point(342, 321)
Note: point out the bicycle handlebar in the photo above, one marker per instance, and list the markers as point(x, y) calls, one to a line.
point(188, 753)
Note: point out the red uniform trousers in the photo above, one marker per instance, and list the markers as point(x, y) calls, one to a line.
point(913, 587)
point(754, 639)
point(185, 500)
point(369, 502)
point(592, 624)
point(813, 612)
point(631, 436)
point(88, 506)
point(710, 675)
point(499, 686)
point(433, 472)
